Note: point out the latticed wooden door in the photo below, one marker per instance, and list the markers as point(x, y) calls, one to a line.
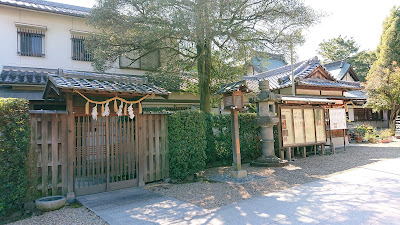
point(106, 154)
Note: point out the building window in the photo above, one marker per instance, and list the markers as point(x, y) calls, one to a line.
point(367, 115)
point(79, 51)
point(30, 42)
point(151, 61)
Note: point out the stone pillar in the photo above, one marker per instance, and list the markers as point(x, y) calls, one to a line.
point(266, 119)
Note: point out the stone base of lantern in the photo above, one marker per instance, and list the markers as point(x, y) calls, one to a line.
point(269, 162)
point(238, 174)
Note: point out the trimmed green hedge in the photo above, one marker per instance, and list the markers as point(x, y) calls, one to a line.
point(187, 143)
point(14, 148)
point(249, 133)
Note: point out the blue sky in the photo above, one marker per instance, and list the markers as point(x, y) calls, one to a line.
point(360, 19)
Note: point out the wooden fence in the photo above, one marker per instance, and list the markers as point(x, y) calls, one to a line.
point(49, 142)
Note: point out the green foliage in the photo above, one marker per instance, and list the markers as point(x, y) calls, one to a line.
point(187, 143)
point(14, 148)
point(337, 48)
point(383, 90)
point(196, 139)
point(388, 50)
point(250, 145)
point(190, 33)
point(385, 134)
point(362, 63)
point(370, 133)
point(362, 129)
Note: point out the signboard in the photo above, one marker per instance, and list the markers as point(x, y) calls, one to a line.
point(302, 126)
point(337, 118)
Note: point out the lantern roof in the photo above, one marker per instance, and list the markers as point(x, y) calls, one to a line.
point(234, 86)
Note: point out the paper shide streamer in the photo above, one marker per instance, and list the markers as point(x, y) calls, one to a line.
point(123, 109)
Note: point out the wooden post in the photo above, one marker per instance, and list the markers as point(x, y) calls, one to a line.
point(237, 164)
point(344, 139)
point(289, 154)
point(304, 152)
point(70, 146)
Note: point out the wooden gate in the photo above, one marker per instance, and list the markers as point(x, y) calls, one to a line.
point(106, 154)
point(90, 156)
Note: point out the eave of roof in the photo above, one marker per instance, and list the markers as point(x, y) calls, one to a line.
point(98, 82)
point(48, 6)
point(281, 77)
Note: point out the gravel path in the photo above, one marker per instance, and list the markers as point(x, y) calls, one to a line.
point(208, 194)
point(214, 194)
point(64, 216)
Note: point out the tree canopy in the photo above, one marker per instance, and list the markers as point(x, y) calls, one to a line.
point(383, 90)
point(338, 48)
point(388, 50)
point(189, 32)
point(362, 63)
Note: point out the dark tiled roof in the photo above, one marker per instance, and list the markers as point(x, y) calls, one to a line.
point(281, 77)
point(68, 79)
point(262, 63)
point(339, 69)
point(356, 94)
point(328, 83)
point(25, 75)
point(48, 6)
point(235, 86)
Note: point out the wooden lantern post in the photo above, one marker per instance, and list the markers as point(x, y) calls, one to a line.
point(233, 98)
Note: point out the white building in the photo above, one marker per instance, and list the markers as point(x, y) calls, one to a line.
point(40, 37)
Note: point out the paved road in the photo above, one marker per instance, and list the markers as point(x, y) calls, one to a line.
point(366, 195)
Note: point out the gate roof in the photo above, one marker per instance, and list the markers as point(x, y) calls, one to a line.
point(100, 82)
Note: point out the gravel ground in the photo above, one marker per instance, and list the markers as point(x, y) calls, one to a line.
point(209, 194)
point(64, 216)
point(215, 194)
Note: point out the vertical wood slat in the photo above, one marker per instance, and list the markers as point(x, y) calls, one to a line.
point(157, 145)
point(138, 143)
point(93, 144)
point(111, 137)
point(71, 143)
point(85, 175)
point(131, 147)
point(164, 146)
point(54, 153)
point(45, 155)
point(33, 151)
point(151, 147)
point(64, 150)
point(120, 148)
point(107, 159)
point(79, 152)
point(97, 148)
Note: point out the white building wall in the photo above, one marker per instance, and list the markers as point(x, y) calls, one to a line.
point(57, 41)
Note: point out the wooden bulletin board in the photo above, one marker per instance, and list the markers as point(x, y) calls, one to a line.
point(301, 126)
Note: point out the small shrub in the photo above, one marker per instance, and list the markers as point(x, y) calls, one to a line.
point(385, 134)
point(187, 143)
point(249, 133)
point(14, 148)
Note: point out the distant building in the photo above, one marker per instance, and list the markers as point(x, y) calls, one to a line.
point(263, 62)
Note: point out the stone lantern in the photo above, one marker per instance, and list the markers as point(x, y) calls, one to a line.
point(233, 95)
point(266, 119)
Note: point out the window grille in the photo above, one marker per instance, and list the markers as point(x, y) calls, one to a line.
point(30, 42)
point(79, 51)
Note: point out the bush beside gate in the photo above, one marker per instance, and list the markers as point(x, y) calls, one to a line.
point(14, 149)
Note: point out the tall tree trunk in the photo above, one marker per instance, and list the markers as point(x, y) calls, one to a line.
point(392, 119)
point(204, 72)
point(203, 47)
